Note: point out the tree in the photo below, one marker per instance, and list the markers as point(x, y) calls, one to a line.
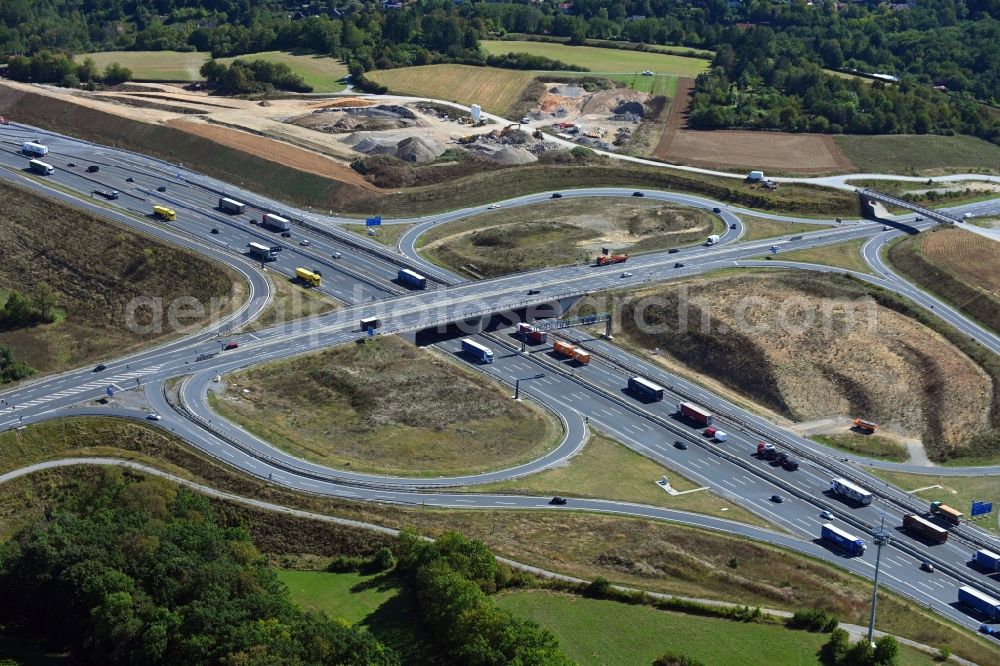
point(45, 300)
point(675, 659)
point(116, 73)
point(86, 71)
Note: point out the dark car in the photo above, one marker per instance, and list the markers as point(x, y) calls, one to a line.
point(130, 179)
point(716, 210)
point(678, 265)
point(638, 194)
point(100, 368)
point(93, 168)
point(231, 345)
point(71, 164)
point(286, 234)
point(215, 230)
point(673, 250)
point(161, 188)
point(556, 195)
point(532, 292)
point(681, 445)
point(732, 226)
point(557, 500)
point(927, 566)
point(777, 499)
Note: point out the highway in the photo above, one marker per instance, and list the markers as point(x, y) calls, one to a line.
point(363, 277)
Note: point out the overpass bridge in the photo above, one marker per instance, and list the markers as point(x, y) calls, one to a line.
point(869, 196)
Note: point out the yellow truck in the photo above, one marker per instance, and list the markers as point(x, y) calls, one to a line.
point(309, 277)
point(168, 214)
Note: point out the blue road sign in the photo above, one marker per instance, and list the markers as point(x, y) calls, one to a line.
point(374, 221)
point(979, 508)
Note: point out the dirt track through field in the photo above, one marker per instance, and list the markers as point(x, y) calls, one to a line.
point(676, 117)
point(276, 151)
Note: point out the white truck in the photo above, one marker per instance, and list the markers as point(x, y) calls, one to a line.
point(712, 240)
point(755, 176)
point(36, 149)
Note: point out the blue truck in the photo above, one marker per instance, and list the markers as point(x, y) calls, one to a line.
point(986, 559)
point(979, 602)
point(477, 351)
point(849, 543)
point(411, 279)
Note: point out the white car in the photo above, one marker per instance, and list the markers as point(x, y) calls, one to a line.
point(626, 274)
point(153, 416)
point(886, 227)
point(826, 515)
point(335, 255)
point(493, 206)
point(304, 242)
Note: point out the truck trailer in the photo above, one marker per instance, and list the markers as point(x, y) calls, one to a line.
point(41, 167)
point(915, 523)
point(262, 252)
point(979, 602)
point(712, 240)
point(168, 214)
point(695, 413)
point(36, 149)
point(986, 559)
point(411, 279)
point(953, 516)
point(644, 389)
point(370, 323)
point(608, 259)
point(232, 206)
point(849, 543)
point(529, 332)
point(311, 278)
point(275, 222)
point(479, 352)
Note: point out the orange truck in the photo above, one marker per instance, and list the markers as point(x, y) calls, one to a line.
point(566, 349)
point(608, 259)
point(867, 426)
point(580, 356)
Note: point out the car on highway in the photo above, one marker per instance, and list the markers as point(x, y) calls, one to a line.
point(680, 445)
point(93, 168)
point(336, 255)
point(886, 227)
point(100, 368)
point(673, 250)
point(153, 416)
point(286, 234)
point(493, 206)
point(988, 630)
point(304, 242)
point(918, 218)
point(927, 566)
point(638, 194)
point(678, 265)
point(626, 274)
point(215, 230)
point(826, 515)
point(130, 179)
point(557, 500)
point(71, 164)
point(556, 195)
point(732, 226)
point(716, 210)
point(532, 292)
point(777, 499)
point(161, 188)
point(231, 345)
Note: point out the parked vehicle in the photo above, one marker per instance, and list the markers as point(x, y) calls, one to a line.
point(479, 352)
point(849, 543)
point(411, 278)
point(865, 426)
point(915, 523)
point(695, 413)
point(232, 206)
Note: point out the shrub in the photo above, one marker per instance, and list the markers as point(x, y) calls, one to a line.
point(674, 659)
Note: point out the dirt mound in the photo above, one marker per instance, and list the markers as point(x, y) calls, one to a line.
point(417, 149)
point(605, 101)
point(343, 103)
point(630, 107)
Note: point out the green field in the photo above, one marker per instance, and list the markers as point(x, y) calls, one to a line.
point(153, 65)
point(608, 633)
point(660, 84)
point(496, 90)
point(613, 61)
point(759, 227)
point(323, 73)
point(865, 445)
point(920, 155)
point(842, 255)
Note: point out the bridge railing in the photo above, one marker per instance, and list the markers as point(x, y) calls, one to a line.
point(936, 215)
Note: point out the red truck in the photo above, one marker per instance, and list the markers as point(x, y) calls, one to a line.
point(608, 259)
point(695, 413)
point(531, 333)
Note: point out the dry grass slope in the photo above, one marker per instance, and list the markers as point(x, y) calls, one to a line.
point(387, 406)
point(97, 268)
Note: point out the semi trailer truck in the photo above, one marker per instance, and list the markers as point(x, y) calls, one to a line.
point(480, 352)
point(849, 543)
point(411, 278)
point(232, 206)
point(275, 222)
point(695, 413)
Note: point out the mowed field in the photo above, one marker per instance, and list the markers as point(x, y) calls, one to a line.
point(959, 266)
point(609, 633)
point(153, 65)
point(323, 73)
point(738, 150)
point(925, 155)
point(616, 61)
point(496, 90)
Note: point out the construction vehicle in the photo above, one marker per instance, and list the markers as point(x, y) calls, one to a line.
point(608, 259)
point(311, 278)
point(168, 214)
point(866, 426)
point(471, 138)
point(953, 516)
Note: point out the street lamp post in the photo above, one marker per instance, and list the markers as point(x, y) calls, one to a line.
point(517, 384)
point(881, 537)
